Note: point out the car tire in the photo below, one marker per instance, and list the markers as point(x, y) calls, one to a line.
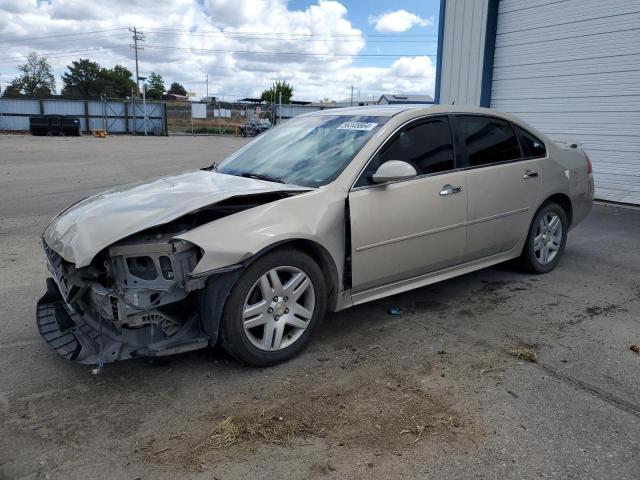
point(274, 308)
point(546, 239)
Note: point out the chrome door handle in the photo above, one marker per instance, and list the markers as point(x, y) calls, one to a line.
point(449, 190)
point(530, 174)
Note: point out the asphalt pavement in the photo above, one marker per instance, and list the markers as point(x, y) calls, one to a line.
point(445, 389)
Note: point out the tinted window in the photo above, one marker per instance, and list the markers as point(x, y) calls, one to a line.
point(532, 147)
point(488, 140)
point(427, 146)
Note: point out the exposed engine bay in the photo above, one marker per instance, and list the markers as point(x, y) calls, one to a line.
point(137, 297)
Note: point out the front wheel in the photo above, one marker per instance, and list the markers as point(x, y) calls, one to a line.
point(546, 240)
point(274, 308)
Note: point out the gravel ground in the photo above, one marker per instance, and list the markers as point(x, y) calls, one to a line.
point(443, 390)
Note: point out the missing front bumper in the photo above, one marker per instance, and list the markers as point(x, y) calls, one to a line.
point(86, 340)
point(63, 329)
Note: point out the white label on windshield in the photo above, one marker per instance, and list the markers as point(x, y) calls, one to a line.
point(366, 126)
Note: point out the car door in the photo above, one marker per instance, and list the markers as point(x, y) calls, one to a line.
point(503, 185)
point(407, 228)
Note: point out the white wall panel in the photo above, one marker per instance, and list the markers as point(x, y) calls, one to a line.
point(463, 51)
point(572, 69)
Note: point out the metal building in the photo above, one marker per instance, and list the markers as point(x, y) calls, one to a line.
point(571, 68)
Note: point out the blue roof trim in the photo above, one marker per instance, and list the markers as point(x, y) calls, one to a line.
point(489, 51)
point(441, 21)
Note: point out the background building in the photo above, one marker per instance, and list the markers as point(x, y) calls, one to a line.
point(571, 68)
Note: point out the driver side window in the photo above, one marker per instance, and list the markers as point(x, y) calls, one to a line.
point(426, 145)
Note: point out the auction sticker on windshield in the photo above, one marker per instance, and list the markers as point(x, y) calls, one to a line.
point(365, 126)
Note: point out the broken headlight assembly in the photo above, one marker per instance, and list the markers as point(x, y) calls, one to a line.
point(146, 274)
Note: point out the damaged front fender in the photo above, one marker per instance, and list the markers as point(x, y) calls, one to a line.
point(317, 216)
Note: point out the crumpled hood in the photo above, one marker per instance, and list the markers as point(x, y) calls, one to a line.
point(83, 230)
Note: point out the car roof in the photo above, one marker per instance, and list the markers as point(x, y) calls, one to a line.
point(369, 110)
point(418, 109)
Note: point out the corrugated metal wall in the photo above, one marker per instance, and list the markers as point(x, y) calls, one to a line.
point(116, 116)
point(289, 111)
point(462, 51)
point(572, 69)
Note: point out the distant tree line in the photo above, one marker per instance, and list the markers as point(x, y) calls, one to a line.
point(83, 78)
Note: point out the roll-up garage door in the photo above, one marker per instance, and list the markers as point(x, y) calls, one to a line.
point(572, 69)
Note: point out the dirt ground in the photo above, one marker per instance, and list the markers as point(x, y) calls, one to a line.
point(496, 374)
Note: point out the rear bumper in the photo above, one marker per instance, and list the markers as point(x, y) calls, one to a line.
point(89, 340)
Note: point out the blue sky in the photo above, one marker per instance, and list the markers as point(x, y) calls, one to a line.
point(360, 12)
point(322, 47)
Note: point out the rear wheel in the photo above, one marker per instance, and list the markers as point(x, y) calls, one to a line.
point(546, 240)
point(274, 308)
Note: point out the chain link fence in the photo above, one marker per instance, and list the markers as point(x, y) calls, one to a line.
point(228, 118)
point(222, 118)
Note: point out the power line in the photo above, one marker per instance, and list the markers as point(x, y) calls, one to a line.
point(46, 43)
point(258, 34)
point(297, 39)
point(67, 54)
point(107, 50)
point(62, 35)
point(223, 34)
point(137, 37)
point(294, 54)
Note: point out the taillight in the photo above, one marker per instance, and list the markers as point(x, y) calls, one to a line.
point(589, 166)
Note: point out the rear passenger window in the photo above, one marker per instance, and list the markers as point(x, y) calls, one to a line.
point(426, 145)
point(488, 140)
point(532, 147)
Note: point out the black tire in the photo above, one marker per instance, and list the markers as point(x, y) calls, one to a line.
point(530, 260)
point(235, 341)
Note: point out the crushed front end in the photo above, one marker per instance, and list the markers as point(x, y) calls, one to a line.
point(136, 298)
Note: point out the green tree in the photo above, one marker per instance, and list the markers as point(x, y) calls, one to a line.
point(83, 79)
point(177, 89)
point(272, 94)
point(11, 91)
point(35, 78)
point(117, 81)
point(155, 86)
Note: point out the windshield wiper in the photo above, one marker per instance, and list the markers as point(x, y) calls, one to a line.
point(259, 176)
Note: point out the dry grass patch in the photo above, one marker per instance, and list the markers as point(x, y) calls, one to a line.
point(379, 410)
point(524, 352)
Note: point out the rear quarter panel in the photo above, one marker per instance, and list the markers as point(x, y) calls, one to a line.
point(567, 173)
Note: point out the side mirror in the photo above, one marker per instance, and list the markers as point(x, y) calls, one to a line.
point(394, 170)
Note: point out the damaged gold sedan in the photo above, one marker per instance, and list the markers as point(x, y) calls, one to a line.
point(322, 212)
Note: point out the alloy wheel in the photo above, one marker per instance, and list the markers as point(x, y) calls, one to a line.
point(278, 308)
point(548, 239)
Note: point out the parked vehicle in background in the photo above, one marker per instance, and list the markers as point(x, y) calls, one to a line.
point(255, 126)
point(325, 211)
point(55, 125)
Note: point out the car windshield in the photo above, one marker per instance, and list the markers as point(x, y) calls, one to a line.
point(308, 151)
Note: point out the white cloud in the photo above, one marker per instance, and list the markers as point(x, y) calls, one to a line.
point(398, 21)
point(186, 39)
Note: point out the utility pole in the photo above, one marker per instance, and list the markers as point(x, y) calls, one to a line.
point(144, 104)
point(352, 95)
point(207, 87)
point(1, 119)
point(137, 37)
